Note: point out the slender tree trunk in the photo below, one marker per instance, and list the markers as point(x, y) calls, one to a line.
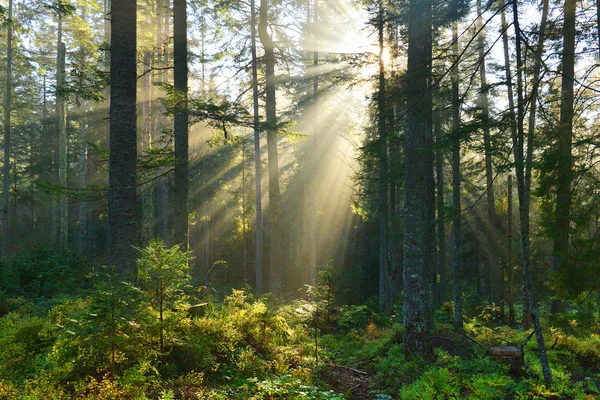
point(61, 117)
point(418, 74)
point(259, 223)
point(32, 164)
point(456, 178)
point(513, 132)
point(531, 127)
point(83, 205)
point(564, 157)
point(509, 266)
point(271, 113)
point(441, 214)
point(313, 159)
point(382, 171)
point(496, 276)
point(181, 123)
point(429, 266)
point(244, 239)
point(122, 221)
point(7, 149)
point(147, 201)
point(163, 214)
point(524, 196)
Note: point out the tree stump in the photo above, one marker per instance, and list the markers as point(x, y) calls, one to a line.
point(511, 355)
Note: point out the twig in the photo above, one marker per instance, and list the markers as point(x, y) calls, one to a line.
point(522, 346)
point(349, 368)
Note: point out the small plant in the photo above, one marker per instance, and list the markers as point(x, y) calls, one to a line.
point(164, 275)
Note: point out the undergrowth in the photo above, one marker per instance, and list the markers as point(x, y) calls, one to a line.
point(109, 340)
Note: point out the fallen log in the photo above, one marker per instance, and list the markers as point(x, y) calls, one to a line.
point(512, 355)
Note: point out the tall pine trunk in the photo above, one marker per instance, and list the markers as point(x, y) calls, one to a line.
point(524, 189)
point(61, 119)
point(122, 221)
point(82, 210)
point(456, 178)
point(163, 214)
point(564, 157)
point(509, 264)
point(259, 220)
point(382, 172)
point(275, 233)
point(181, 123)
point(496, 287)
point(415, 217)
point(7, 106)
point(313, 157)
point(147, 200)
point(441, 213)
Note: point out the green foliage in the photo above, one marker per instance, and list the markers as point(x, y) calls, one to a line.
point(42, 271)
point(23, 346)
point(354, 317)
point(394, 370)
point(434, 384)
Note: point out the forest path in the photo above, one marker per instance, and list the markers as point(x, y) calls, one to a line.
point(349, 381)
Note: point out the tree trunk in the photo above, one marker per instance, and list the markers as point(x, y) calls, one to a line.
point(564, 158)
point(313, 159)
point(429, 270)
point(61, 117)
point(259, 223)
point(83, 205)
point(7, 106)
point(163, 207)
point(382, 172)
point(456, 178)
point(509, 266)
point(524, 195)
point(418, 74)
point(271, 114)
point(147, 201)
point(441, 215)
point(496, 276)
point(122, 221)
point(181, 123)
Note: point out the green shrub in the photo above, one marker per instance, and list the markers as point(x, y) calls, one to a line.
point(354, 317)
point(434, 384)
point(22, 346)
point(394, 370)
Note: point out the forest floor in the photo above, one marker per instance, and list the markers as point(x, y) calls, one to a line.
point(352, 383)
point(104, 340)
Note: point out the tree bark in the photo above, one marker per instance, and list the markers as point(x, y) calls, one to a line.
point(313, 159)
point(524, 196)
point(181, 124)
point(273, 163)
point(382, 172)
point(496, 276)
point(509, 266)
point(61, 117)
point(163, 207)
point(418, 75)
point(147, 201)
point(122, 221)
point(441, 214)
point(564, 157)
point(456, 178)
point(82, 217)
point(7, 132)
point(429, 269)
point(259, 220)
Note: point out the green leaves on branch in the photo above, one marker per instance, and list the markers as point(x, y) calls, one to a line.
point(223, 115)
